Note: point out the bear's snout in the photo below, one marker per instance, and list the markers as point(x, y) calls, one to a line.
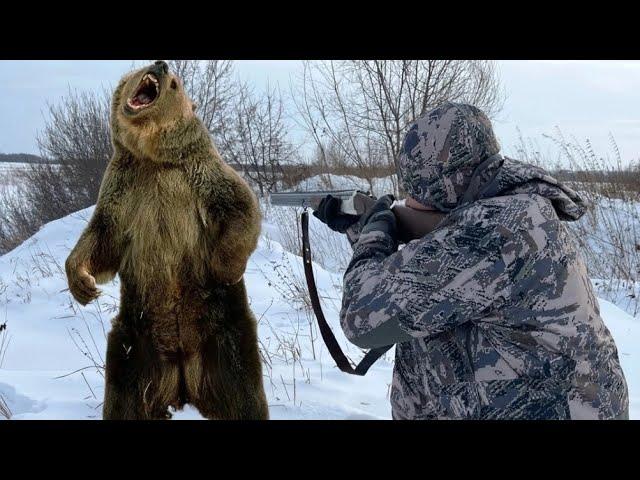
point(160, 67)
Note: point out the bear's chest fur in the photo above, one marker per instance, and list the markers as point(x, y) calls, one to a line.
point(163, 224)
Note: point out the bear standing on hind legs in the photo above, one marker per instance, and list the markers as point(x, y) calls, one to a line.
point(178, 225)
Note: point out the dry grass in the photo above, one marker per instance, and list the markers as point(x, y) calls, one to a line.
point(301, 339)
point(4, 342)
point(5, 411)
point(92, 320)
point(609, 234)
point(330, 250)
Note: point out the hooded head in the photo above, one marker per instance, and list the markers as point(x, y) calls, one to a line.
point(450, 157)
point(440, 152)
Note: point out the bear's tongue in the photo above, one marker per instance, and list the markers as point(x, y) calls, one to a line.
point(141, 99)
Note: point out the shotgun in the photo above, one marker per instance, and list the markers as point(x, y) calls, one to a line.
point(412, 224)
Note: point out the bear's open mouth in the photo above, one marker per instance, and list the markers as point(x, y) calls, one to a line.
point(146, 93)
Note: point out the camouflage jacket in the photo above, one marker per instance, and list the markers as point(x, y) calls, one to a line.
point(493, 314)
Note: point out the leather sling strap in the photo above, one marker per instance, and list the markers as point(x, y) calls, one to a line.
point(329, 339)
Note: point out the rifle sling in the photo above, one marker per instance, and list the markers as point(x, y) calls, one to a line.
point(330, 341)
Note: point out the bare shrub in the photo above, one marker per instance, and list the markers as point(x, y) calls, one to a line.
point(5, 411)
point(18, 222)
point(250, 130)
point(77, 142)
point(293, 175)
point(258, 139)
point(77, 146)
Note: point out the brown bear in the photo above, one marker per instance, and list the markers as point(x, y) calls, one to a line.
point(178, 225)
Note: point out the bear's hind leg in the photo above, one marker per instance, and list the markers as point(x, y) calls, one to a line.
point(139, 385)
point(224, 380)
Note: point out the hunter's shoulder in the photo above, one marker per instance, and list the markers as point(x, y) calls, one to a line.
point(513, 212)
point(501, 223)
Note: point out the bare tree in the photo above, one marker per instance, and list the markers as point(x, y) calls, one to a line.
point(213, 88)
point(77, 142)
point(363, 107)
point(259, 138)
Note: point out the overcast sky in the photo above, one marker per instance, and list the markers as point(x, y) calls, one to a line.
point(586, 99)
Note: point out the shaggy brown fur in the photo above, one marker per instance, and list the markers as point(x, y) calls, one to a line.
point(178, 225)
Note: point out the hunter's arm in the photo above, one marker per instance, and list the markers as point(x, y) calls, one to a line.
point(454, 275)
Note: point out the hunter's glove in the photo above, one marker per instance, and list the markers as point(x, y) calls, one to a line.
point(329, 213)
point(381, 218)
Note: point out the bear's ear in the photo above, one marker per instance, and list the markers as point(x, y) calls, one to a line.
point(193, 106)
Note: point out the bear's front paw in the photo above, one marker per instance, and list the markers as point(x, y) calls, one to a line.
point(82, 285)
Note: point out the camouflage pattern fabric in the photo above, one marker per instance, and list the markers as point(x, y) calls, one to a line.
point(440, 152)
point(493, 313)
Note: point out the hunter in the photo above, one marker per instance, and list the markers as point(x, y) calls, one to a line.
point(492, 313)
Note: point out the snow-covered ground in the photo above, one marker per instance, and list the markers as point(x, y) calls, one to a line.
point(51, 336)
point(49, 371)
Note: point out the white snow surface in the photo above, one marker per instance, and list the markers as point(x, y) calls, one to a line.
point(52, 337)
point(49, 332)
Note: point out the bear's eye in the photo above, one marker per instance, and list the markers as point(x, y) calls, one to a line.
point(174, 84)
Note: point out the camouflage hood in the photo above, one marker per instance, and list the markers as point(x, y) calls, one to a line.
point(450, 158)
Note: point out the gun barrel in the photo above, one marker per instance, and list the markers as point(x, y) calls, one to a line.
point(307, 199)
